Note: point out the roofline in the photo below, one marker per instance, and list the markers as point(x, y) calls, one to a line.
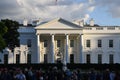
point(61, 20)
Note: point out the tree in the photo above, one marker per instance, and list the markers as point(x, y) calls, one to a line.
point(11, 36)
point(3, 30)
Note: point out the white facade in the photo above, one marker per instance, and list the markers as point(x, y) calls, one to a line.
point(63, 41)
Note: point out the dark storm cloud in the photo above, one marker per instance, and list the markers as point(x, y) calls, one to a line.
point(9, 8)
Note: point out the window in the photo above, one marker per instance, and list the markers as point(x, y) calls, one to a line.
point(71, 58)
point(87, 43)
point(110, 43)
point(17, 58)
point(5, 58)
point(88, 58)
point(71, 43)
point(58, 43)
point(29, 43)
point(45, 58)
point(45, 43)
point(99, 43)
point(28, 58)
point(99, 58)
point(111, 59)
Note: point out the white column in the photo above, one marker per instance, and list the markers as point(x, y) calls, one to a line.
point(38, 48)
point(13, 56)
point(67, 56)
point(81, 50)
point(52, 49)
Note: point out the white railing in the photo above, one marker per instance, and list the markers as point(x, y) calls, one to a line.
point(101, 29)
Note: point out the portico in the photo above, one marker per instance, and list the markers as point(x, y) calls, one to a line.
point(57, 41)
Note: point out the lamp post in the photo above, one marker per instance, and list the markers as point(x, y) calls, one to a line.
point(13, 56)
point(12, 47)
point(64, 67)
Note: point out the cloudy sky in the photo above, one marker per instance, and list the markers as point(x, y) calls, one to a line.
point(104, 12)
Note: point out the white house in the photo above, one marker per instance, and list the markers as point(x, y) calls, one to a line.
point(59, 40)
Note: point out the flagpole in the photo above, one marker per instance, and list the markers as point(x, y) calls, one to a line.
point(56, 3)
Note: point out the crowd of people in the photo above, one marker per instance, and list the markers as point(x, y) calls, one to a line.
point(53, 73)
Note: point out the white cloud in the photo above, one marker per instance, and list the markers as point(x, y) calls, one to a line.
point(86, 17)
point(91, 9)
point(112, 7)
point(91, 1)
point(68, 9)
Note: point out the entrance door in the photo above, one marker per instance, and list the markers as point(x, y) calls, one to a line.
point(59, 57)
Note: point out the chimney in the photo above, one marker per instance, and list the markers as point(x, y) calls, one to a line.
point(36, 22)
point(79, 22)
point(25, 22)
point(91, 22)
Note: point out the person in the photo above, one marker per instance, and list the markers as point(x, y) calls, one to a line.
point(6, 75)
point(106, 75)
point(112, 75)
point(30, 74)
point(99, 75)
point(20, 75)
point(117, 75)
point(92, 75)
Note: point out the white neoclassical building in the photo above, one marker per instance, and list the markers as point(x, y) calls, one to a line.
point(59, 41)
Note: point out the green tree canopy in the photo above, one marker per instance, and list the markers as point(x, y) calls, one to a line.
point(3, 30)
point(11, 36)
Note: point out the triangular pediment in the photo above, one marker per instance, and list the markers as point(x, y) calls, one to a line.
point(58, 23)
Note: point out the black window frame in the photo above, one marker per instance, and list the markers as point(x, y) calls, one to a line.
point(29, 58)
point(58, 43)
point(111, 58)
point(45, 58)
point(88, 60)
point(99, 43)
point(88, 43)
point(71, 43)
point(99, 58)
point(5, 58)
point(45, 43)
point(110, 43)
point(17, 58)
point(71, 58)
